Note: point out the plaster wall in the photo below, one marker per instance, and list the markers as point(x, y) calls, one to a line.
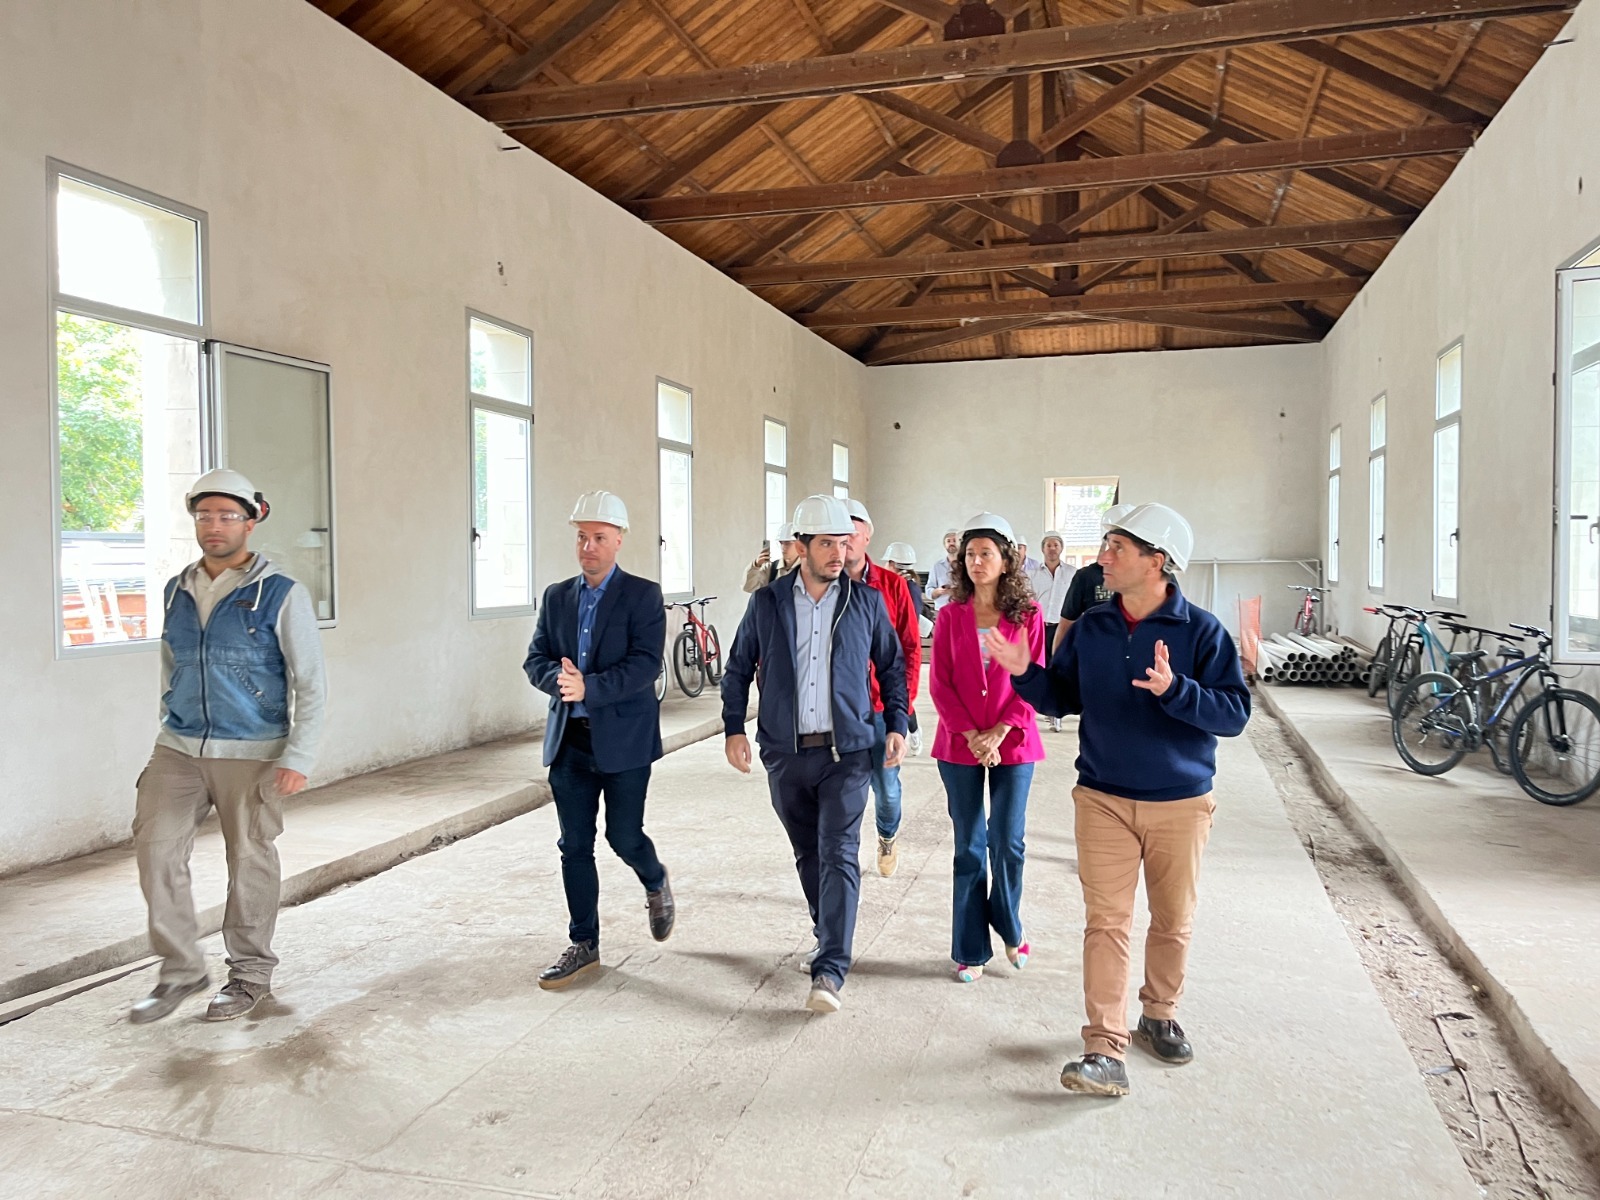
point(355, 215)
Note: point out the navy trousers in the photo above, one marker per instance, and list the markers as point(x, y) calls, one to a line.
point(820, 803)
point(578, 786)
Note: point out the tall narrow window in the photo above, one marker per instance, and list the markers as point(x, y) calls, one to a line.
point(1333, 505)
point(777, 480)
point(1447, 472)
point(675, 443)
point(1578, 460)
point(1379, 440)
point(126, 291)
point(500, 400)
point(841, 471)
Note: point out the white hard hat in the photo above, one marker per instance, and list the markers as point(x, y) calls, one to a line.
point(1051, 533)
point(990, 521)
point(899, 552)
point(858, 511)
point(1160, 526)
point(822, 515)
point(604, 507)
point(782, 532)
point(234, 486)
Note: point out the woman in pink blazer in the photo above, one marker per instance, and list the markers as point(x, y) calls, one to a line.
point(986, 731)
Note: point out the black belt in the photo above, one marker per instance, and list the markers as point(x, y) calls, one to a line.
point(584, 721)
point(814, 741)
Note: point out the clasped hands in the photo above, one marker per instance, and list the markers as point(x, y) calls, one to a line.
point(570, 682)
point(985, 744)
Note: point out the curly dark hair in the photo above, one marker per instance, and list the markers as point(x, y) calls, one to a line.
point(1013, 596)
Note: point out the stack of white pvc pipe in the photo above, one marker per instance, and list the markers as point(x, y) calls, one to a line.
point(1290, 658)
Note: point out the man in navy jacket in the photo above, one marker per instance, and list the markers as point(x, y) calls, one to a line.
point(807, 640)
point(597, 652)
point(1157, 682)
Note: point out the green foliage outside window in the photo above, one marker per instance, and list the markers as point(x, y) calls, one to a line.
point(101, 426)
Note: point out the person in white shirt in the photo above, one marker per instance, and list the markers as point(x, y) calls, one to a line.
point(1029, 563)
point(1050, 581)
point(939, 585)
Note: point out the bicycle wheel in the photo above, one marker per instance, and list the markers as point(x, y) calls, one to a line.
point(1404, 665)
point(686, 664)
point(1555, 747)
point(1432, 730)
point(713, 655)
point(661, 680)
point(1378, 675)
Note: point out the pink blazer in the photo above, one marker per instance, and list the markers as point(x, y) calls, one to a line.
point(966, 696)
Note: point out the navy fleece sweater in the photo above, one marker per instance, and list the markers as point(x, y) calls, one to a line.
point(1130, 742)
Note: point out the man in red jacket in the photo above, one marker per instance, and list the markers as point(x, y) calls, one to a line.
point(903, 616)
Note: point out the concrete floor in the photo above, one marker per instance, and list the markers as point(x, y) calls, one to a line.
point(409, 1053)
point(1511, 885)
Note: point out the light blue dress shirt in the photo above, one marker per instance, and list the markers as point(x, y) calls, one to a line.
point(813, 656)
point(588, 604)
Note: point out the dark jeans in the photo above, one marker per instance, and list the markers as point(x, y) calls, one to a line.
point(578, 786)
point(977, 907)
point(820, 803)
point(1050, 639)
point(885, 781)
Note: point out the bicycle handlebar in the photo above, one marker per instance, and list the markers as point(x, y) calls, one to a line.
point(1531, 631)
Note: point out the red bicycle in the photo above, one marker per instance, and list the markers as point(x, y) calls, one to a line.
point(1306, 623)
point(696, 651)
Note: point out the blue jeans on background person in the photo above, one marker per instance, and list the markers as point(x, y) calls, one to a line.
point(885, 781)
point(984, 847)
point(577, 786)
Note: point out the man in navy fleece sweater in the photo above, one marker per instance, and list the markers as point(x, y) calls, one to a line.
point(1157, 682)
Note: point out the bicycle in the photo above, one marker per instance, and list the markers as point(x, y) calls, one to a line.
point(696, 651)
point(1306, 623)
point(1552, 749)
point(1420, 642)
point(1399, 620)
point(661, 680)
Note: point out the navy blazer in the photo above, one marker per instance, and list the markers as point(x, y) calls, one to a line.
point(630, 632)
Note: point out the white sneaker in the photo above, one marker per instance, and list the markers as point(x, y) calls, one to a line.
point(1055, 724)
point(804, 965)
point(914, 743)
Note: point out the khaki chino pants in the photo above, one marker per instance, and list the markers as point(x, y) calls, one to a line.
point(175, 793)
point(1117, 836)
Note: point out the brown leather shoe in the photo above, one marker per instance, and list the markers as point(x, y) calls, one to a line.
point(663, 909)
point(236, 998)
point(576, 961)
point(164, 1000)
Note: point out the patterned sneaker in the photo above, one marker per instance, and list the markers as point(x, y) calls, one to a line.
point(1018, 955)
point(966, 974)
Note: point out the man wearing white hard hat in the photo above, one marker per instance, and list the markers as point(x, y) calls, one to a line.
point(1157, 681)
point(1050, 583)
point(903, 616)
point(243, 692)
point(765, 568)
point(939, 586)
point(596, 653)
point(811, 637)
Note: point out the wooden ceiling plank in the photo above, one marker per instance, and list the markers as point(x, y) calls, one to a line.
point(937, 121)
point(545, 51)
point(1104, 302)
point(949, 337)
point(1302, 154)
point(1077, 122)
point(1226, 26)
point(1465, 41)
point(481, 68)
point(931, 11)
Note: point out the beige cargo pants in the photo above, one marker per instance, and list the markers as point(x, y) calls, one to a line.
point(176, 791)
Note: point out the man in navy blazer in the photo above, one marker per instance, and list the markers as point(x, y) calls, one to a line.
point(597, 652)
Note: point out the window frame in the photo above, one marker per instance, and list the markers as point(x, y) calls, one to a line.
point(768, 469)
point(213, 451)
point(1562, 650)
point(1377, 526)
point(56, 302)
point(664, 443)
point(841, 487)
point(1440, 425)
point(1335, 496)
point(506, 408)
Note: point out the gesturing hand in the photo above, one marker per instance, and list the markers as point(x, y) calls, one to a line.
point(570, 682)
point(1159, 677)
point(1012, 656)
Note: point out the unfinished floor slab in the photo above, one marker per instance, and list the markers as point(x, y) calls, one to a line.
point(1511, 886)
point(409, 1051)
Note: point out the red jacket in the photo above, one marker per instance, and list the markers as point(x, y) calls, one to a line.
point(903, 616)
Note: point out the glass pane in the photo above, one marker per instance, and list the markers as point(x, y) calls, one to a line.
point(676, 550)
point(128, 416)
point(673, 414)
point(502, 558)
point(1585, 321)
point(1333, 449)
point(275, 431)
point(1380, 421)
point(777, 511)
point(1583, 516)
point(1446, 508)
point(842, 492)
point(841, 463)
point(777, 436)
point(501, 362)
point(1592, 261)
point(1447, 398)
point(1375, 522)
point(1333, 529)
point(127, 253)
